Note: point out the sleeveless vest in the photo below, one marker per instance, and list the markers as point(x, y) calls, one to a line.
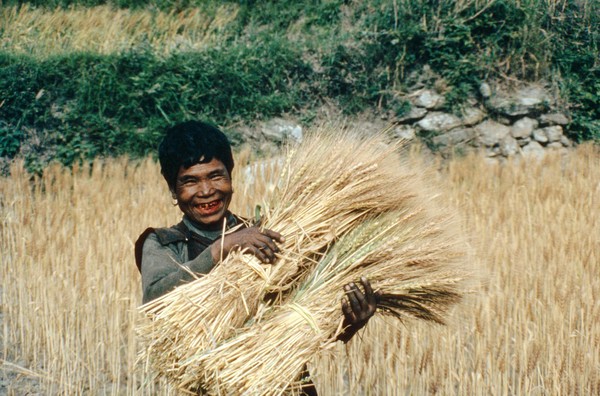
point(196, 244)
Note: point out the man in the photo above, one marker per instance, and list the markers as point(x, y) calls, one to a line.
point(196, 162)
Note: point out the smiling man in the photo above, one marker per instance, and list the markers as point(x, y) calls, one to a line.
point(196, 161)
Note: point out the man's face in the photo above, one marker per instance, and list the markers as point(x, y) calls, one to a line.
point(203, 192)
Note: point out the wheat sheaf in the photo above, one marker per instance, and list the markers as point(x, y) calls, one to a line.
point(349, 206)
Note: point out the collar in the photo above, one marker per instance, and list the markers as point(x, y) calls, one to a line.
point(212, 234)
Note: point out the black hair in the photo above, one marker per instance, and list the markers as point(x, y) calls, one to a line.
point(189, 143)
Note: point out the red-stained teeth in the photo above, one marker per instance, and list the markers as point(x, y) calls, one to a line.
point(209, 205)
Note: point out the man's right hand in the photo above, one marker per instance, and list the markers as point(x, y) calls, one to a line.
point(260, 243)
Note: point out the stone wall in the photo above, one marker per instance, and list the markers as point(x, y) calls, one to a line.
point(501, 124)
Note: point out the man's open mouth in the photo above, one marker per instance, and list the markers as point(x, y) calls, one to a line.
point(209, 208)
point(209, 205)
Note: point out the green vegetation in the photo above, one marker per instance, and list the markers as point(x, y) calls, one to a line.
point(275, 57)
point(95, 105)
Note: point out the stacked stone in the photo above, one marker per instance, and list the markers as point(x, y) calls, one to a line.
point(502, 125)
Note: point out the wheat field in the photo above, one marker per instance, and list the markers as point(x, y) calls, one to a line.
point(105, 30)
point(70, 288)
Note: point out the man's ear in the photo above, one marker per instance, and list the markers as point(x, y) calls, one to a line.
point(173, 194)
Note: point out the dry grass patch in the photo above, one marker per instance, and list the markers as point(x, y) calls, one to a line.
point(106, 30)
point(70, 287)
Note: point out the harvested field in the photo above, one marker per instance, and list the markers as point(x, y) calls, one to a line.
point(105, 30)
point(69, 286)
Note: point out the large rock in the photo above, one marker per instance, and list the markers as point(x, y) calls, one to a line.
point(523, 128)
point(485, 90)
point(429, 99)
point(414, 114)
point(279, 130)
point(439, 122)
point(554, 133)
point(533, 149)
point(405, 132)
point(565, 141)
point(491, 132)
point(524, 101)
point(554, 119)
point(472, 115)
point(509, 146)
point(454, 137)
point(540, 136)
point(524, 141)
point(491, 152)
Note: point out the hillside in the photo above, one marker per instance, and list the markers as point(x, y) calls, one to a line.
point(81, 79)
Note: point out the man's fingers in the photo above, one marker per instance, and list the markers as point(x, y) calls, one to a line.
point(268, 241)
point(353, 298)
point(265, 237)
point(350, 317)
point(273, 235)
point(367, 285)
point(267, 248)
point(377, 295)
point(261, 245)
point(360, 297)
point(371, 298)
point(259, 254)
point(265, 253)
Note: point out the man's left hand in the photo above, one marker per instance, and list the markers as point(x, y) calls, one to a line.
point(358, 307)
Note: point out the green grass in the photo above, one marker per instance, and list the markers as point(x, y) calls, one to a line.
point(98, 105)
point(270, 58)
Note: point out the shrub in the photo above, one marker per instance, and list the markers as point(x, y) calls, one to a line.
point(277, 57)
point(109, 105)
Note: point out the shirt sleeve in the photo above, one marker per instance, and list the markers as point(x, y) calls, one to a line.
point(162, 269)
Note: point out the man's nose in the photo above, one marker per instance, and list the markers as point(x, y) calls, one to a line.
point(205, 188)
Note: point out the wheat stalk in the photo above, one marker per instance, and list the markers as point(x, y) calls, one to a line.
point(410, 257)
point(322, 194)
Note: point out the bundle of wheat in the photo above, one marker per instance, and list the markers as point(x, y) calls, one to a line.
point(409, 256)
point(329, 185)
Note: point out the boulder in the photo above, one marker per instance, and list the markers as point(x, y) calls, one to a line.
point(405, 132)
point(472, 116)
point(492, 152)
point(554, 119)
point(533, 149)
point(524, 141)
point(414, 114)
point(523, 127)
point(279, 130)
point(540, 135)
point(503, 120)
point(524, 101)
point(565, 141)
point(439, 122)
point(554, 133)
point(491, 133)
point(454, 137)
point(429, 99)
point(485, 90)
point(509, 146)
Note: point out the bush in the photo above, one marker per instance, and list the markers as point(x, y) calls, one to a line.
point(110, 105)
point(291, 57)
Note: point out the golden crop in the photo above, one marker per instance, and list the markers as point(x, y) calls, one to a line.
point(69, 286)
point(105, 30)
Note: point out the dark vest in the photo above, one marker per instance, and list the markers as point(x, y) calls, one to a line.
point(196, 244)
